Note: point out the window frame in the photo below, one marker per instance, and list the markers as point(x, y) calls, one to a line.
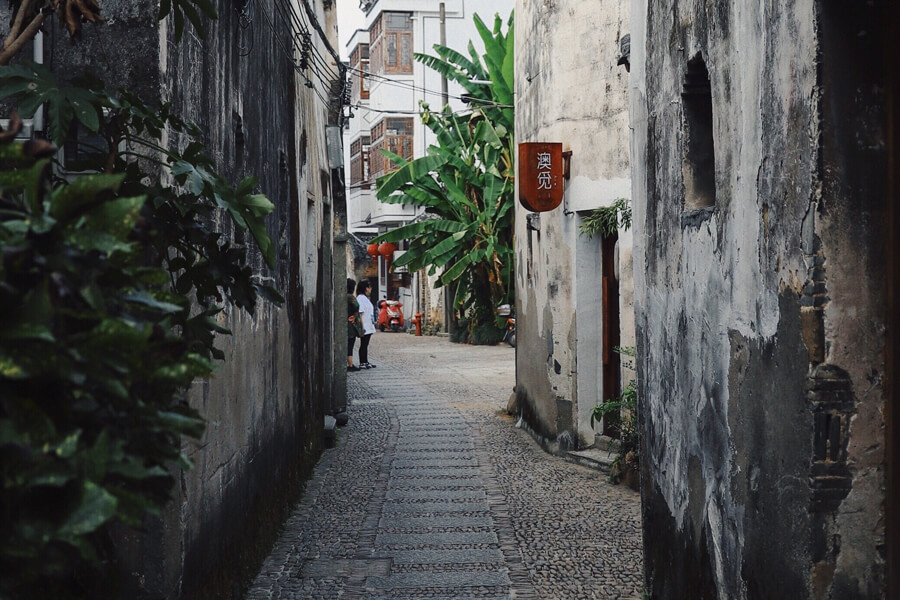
point(391, 44)
point(398, 137)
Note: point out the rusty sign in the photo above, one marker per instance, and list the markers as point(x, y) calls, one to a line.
point(540, 175)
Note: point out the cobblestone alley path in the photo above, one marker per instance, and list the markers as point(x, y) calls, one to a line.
point(430, 493)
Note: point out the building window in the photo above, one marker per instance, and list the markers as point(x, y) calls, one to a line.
point(359, 66)
point(698, 165)
point(394, 134)
point(84, 150)
point(359, 163)
point(391, 44)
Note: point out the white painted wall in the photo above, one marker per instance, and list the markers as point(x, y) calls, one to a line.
point(570, 90)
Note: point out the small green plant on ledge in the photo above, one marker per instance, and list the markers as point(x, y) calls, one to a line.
point(625, 407)
point(608, 219)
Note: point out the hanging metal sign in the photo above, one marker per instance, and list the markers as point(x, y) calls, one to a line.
point(540, 176)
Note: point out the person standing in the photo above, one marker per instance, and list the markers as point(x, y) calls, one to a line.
point(354, 324)
point(367, 309)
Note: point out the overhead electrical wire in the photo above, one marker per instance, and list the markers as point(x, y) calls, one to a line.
point(289, 54)
point(416, 88)
point(325, 73)
point(411, 113)
point(305, 22)
point(315, 57)
point(316, 54)
point(399, 84)
point(314, 64)
point(290, 16)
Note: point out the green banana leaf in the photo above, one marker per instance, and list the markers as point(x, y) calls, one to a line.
point(466, 180)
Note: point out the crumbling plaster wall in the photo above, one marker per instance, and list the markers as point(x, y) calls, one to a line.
point(759, 325)
point(266, 407)
point(569, 90)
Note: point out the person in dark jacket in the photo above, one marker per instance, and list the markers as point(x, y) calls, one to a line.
point(367, 310)
point(354, 323)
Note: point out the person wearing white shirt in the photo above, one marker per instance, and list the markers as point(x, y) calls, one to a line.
point(367, 309)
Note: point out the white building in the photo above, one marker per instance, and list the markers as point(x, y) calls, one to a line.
point(387, 88)
point(574, 292)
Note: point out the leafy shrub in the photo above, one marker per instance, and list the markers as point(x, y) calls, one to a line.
point(460, 335)
point(487, 335)
point(607, 220)
point(112, 289)
point(624, 408)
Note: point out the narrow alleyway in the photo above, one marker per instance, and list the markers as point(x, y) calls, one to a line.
point(430, 493)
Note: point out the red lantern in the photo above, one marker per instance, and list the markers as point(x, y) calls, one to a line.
point(387, 249)
point(372, 249)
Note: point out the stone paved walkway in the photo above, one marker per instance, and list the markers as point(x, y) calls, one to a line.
point(430, 493)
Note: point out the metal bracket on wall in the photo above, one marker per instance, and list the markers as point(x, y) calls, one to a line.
point(533, 221)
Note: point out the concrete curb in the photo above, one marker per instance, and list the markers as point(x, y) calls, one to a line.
point(600, 460)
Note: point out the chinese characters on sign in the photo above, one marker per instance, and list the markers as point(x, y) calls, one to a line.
point(540, 175)
point(543, 167)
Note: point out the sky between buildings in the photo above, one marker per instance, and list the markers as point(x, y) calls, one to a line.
point(350, 18)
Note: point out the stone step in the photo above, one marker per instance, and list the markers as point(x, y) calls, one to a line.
point(402, 521)
point(445, 556)
point(407, 494)
point(430, 580)
point(393, 506)
point(593, 458)
point(418, 540)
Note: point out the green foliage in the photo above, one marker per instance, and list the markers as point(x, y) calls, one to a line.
point(112, 291)
point(607, 220)
point(35, 86)
point(190, 10)
point(624, 408)
point(465, 182)
point(487, 334)
point(460, 335)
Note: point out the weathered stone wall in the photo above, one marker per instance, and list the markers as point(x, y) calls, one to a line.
point(265, 407)
point(569, 89)
point(759, 319)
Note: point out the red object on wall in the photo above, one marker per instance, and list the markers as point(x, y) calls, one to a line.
point(372, 249)
point(387, 249)
point(540, 176)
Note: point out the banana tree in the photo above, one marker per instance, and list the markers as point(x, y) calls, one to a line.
point(465, 182)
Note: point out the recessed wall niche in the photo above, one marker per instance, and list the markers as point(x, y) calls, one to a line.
point(698, 165)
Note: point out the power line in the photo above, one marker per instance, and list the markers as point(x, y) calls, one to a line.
point(289, 15)
point(416, 88)
point(315, 25)
point(414, 113)
point(289, 53)
point(386, 111)
point(399, 84)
